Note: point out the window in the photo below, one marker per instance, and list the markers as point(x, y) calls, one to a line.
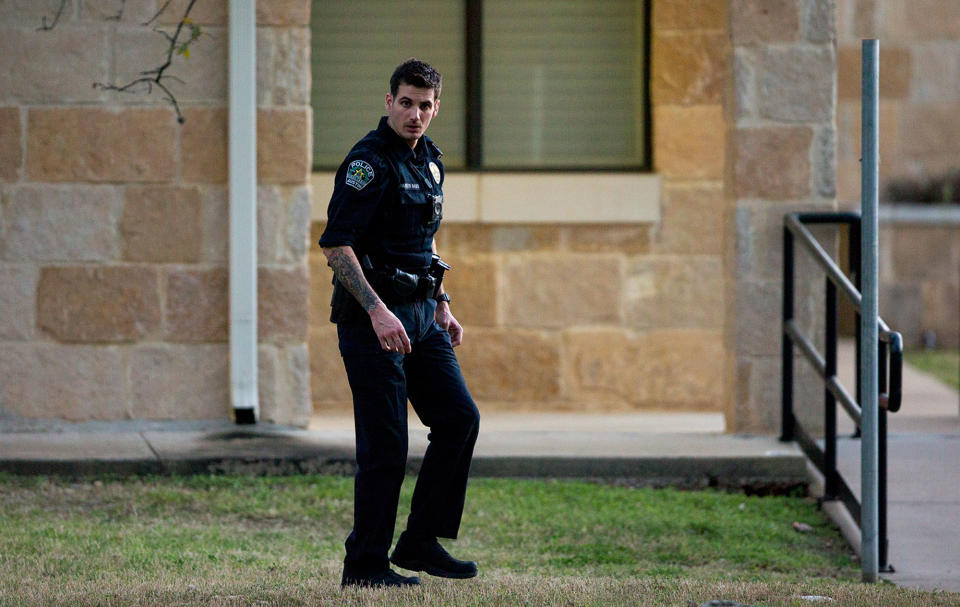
point(356, 45)
point(539, 84)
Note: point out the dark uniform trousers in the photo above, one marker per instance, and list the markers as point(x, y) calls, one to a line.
point(382, 382)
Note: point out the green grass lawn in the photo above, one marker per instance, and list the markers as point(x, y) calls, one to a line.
point(942, 364)
point(231, 540)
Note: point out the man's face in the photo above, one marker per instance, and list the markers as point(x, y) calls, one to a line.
point(410, 113)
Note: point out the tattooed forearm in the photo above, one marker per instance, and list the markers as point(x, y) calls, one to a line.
point(346, 268)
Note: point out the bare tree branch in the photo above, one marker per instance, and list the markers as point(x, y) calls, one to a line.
point(154, 77)
point(159, 12)
point(44, 27)
point(119, 15)
point(164, 34)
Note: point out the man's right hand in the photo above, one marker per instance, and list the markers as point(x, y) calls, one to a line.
point(388, 327)
point(389, 330)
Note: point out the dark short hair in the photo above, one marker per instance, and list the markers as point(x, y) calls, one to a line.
point(416, 73)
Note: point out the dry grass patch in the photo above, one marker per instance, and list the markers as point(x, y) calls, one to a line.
point(496, 589)
point(232, 540)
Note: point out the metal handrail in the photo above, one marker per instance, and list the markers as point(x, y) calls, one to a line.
point(792, 221)
point(795, 223)
point(890, 361)
point(820, 366)
point(895, 391)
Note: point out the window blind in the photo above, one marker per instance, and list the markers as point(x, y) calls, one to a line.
point(355, 48)
point(562, 83)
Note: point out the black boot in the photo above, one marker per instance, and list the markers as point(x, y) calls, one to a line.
point(387, 577)
point(419, 554)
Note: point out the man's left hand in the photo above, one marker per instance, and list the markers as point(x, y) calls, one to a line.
point(449, 324)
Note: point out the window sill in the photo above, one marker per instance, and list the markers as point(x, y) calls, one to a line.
point(588, 197)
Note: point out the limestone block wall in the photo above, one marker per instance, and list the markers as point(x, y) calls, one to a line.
point(919, 89)
point(606, 315)
point(682, 312)
point(575, 317)
point(114, 217)
point(782, 134)
point(919, 139)
point(920, 280)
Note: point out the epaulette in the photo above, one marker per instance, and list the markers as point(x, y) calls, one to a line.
point(433, 146)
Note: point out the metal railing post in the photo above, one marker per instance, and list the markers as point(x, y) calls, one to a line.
point(885, 385)
point(854, 252)
point(882, 383)
point(829, 400)
point(786, 347)
point(869, 324)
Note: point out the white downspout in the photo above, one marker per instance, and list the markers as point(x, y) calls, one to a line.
point(243, 211)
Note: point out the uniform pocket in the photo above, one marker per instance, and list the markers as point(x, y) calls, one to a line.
point(358, 339)
point(416, 210)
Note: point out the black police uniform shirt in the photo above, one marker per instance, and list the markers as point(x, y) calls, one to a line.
point(387, 204)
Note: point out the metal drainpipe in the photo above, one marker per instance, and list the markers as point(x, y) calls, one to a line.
point(243, 211)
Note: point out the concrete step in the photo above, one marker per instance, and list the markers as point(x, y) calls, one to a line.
point(647, 448)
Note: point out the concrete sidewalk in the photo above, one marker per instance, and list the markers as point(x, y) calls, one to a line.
point(657, 449)
point(923, 478)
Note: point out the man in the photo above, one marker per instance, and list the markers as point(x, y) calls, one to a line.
point(397, 337)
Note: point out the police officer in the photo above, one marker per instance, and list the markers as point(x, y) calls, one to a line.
point(397, 337)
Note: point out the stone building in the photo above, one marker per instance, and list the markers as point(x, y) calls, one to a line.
point(919, 139)
point(581, 286)
point(645, 290)
point(113, 279)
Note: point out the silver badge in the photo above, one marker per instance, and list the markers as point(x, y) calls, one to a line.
point(435, 171)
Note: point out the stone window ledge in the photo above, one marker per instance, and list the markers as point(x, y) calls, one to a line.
point(535, 197)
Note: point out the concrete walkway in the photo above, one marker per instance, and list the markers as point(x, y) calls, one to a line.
point(924, 478)
point(654, 449)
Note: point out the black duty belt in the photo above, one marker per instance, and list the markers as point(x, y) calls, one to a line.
point(395, 285)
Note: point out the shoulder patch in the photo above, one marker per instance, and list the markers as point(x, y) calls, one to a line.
point(359, 174)
point(435, 171)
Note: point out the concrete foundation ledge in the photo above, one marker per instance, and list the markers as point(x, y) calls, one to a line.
point(756, 465)
point(605, 448)
point(835, 509)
